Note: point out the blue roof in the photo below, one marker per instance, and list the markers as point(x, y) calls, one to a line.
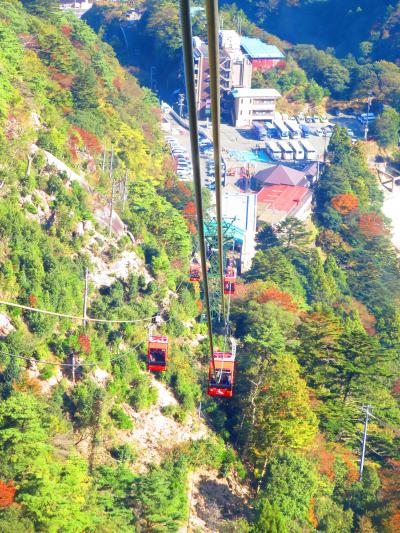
point(256, 49)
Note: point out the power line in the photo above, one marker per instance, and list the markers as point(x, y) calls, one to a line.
point(213, 55)
point(187, 40)
point(70, 365)
point(73, 317)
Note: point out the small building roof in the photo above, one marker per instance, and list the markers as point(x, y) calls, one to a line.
point(282, 198)
point(257, 49)
point(281, 175)
point(243, 92)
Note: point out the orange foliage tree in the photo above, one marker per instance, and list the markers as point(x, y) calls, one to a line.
point(84, 343)
point(345, 203)
point(32, 299)
point(278, 297)
point(371, 225)
point(7, 493)
point(90, 141)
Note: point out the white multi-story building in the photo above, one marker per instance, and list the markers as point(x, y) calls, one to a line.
point(235, 69)
point(254, 105)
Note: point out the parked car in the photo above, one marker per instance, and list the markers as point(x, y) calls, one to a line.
point(319, 132)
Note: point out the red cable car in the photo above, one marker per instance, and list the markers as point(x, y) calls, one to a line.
point(157, 353)
point(194, 271)
point(230, 280)
point(220, 382)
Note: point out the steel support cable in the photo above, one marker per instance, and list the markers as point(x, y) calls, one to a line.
point(76, 317)
point(76, 365)
point(213, 58)
point(73, 317)
point(187, 41)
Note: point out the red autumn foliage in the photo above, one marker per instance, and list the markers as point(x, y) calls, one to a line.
point(311, 514)
point(67, 30)
point(190, 210)
point(73, 143)
point(396, 387)
point(117, 83)
point(345, 203)
point(64, 80)
point(184, 190)
point(192, 228)
point(7, 493)
point(32, 299)
point(278, 297)
point(392, 524)
point(84, 343)
point(91, 142)
point(371, 225)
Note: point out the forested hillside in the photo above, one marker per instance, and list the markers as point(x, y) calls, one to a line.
point(90, 441)
point(66, 458)
point(346, 25)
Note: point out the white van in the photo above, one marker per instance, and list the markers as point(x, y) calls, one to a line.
point(273, 150)
point(287, 151)
point(298, 150)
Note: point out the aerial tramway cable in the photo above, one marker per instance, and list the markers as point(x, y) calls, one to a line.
point(187, 40)
point(213, 57)
point(73, 317)
point(75, 365)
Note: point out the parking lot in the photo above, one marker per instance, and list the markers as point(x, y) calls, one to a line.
point(241, 149)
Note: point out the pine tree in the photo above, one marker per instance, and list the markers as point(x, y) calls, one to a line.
point(41, 7)
point(268, 518)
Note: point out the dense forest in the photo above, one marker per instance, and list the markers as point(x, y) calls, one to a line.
point(319, 78)
point(345, 25)
point(317, 316)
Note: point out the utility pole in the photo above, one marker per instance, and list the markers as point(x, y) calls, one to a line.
point(112, 193)
point(181, 103)
point(366, 410)
point(367, 121)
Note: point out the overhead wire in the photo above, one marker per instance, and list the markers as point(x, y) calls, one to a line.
point(73, 317)
point(75, 365)
point(187, 40)
point(213, 58)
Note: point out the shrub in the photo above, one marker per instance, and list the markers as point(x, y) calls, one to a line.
point(120, 418)
point(124, 453)
point(142, 394)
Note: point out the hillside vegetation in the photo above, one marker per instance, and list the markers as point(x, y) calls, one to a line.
point(111, 448)
point(346, 25)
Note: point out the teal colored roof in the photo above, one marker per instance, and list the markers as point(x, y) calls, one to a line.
point(229, 230)
point(256, 49)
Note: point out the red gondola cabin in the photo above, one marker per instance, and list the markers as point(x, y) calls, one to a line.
point(230, 281)
point(157, 353)
point(220, 382)
point(194, 272)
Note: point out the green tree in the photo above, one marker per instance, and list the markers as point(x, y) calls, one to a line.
point(314, 93)
point(160, 495)
point(387, 126)
point(43, 8)
point(292, 233)
point(276, 410)
point(85, 403)
point(85, 88)
point(269, 518)
point(291, 482)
